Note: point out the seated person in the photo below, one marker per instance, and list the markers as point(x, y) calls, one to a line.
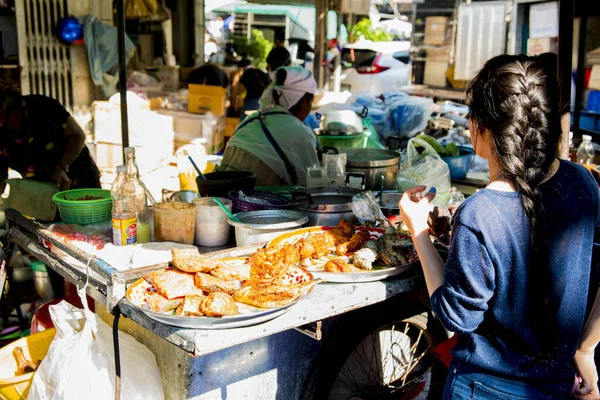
point(274, 143)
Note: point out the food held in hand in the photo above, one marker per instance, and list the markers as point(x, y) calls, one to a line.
point(219, 305)
point(439, 226)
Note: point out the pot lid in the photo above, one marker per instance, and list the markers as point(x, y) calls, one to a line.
point(370, 158)
point(328, 199)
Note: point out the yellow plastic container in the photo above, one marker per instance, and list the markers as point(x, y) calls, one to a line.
point(35, 347)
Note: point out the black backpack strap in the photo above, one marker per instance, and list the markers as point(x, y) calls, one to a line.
point(288, 165)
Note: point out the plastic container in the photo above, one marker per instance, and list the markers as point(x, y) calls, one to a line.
point(212, 228)
point(262, 226)
point(141, 198)
point(218, 184)
point(84, 212)
point(124, 219)
point(586, 152)
point(460, 166)
point(35, 347)
point(174, 222)
point(277, 201)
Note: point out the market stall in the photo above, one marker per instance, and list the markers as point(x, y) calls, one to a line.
point(218, 350)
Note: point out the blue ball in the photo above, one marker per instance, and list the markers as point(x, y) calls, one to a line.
point(69, 30)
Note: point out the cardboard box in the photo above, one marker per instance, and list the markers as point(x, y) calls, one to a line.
point(543, 20)
point(204, 99)
point(539, 46)
point(594, 82)
point(435, 30)
point(438, 53)
point(435, 73)
point(231, 125)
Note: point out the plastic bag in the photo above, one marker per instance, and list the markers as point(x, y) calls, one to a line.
point(335, 165)
point(410, 114)
point(80, 363)
point(426, 169)
point(367, 209)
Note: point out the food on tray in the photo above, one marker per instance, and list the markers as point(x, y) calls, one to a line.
point(394, 250)
point(272, 296)
point(173, 283)
point(210, 284)
point(266, 265)
point(159, 303)
point(24, 366)
point(295, 275)
point(88, 197)
point(339, 265)
point(190, 260)
point(366, 255)
point(229, 272)
point(219, 305)
point(355, 243)
point(190, 307)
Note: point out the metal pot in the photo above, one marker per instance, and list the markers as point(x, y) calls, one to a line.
point(342, 122)
point(264, 225)
point(376, 164)
point(326, 206)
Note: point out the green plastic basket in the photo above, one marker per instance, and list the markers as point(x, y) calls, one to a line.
point(84, 212)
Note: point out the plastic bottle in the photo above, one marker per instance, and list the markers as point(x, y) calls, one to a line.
point(124, 220)
point(572, 150)
point(141, 197)
point(585, 152)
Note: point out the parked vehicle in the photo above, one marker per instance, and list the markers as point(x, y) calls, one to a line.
point(375, 67)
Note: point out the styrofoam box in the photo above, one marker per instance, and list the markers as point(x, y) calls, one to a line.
point(146, 127)
point(148, 158)
point(199, 129)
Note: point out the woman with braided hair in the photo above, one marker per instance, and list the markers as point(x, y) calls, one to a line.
point(518, 280)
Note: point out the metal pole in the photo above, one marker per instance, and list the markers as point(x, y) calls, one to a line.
point(580, 72)
point(565, 57)
point(122, 72)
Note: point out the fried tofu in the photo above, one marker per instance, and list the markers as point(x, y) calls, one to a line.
point(172, 283)
point(190, 307)
point(219, 305)
point(210, 284)
point(228, 272)
point(190, 260)
point(159, 303)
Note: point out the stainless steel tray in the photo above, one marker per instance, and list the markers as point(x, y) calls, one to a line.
point(360, 277)
point(250, 316)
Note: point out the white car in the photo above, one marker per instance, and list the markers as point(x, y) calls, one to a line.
point(375, 67)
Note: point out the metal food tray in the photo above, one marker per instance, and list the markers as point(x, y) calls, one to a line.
point(236, 321)
point(360, 277)
point(106, 284)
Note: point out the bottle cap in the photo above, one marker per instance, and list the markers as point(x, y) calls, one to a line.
point(587, 138)
point(129, 150)
point(121, 168)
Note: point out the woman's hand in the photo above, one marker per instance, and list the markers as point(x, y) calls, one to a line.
point(586, 368)
point(61, 179)
point(414, 209)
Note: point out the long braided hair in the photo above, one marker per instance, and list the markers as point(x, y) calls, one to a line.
point(516, 98)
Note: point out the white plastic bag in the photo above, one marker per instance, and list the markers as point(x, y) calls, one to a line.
point(426, 169)
point(80, 363)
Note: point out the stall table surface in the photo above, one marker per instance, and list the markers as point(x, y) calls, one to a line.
point(107, 286)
